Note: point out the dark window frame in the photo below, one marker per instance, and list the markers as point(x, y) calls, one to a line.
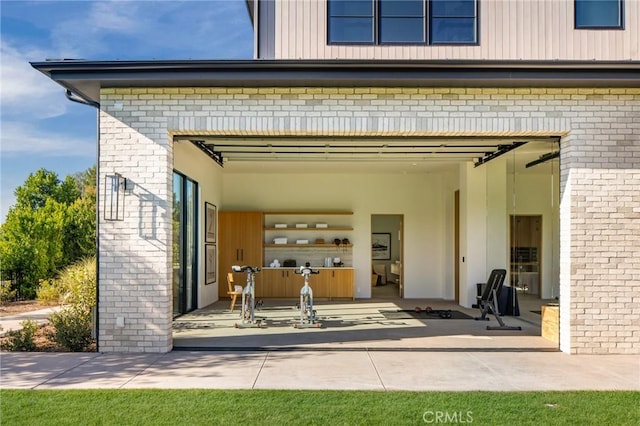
point(475, 17)
point(379, 17)
point(426, 29)
point(578, 26)
point(183, 305)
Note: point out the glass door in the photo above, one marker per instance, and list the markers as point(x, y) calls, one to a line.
point(185, 216)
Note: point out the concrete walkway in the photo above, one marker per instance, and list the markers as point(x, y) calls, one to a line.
point(14, 322)
point(358, 350)
point(331, 369)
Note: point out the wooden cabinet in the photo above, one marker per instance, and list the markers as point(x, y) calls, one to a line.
point(341, 283)
point(278, 283)
point(285, 283)
point(320, 284)
point(239, 243)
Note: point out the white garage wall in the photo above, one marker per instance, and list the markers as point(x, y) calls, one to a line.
point(193, 163)
point(419, 197)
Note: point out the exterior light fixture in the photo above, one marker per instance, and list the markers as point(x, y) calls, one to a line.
point(115, 186)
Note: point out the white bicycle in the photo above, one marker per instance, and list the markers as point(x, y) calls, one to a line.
point(308, 316)
point(247, 316)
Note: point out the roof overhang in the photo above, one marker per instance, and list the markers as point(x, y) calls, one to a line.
point(250, 10)
point(86, 78)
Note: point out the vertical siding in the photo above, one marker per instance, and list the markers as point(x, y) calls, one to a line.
point(267, 27)
point(508, 30)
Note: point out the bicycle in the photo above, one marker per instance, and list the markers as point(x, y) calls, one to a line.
point(247, 314)
point(308, 316)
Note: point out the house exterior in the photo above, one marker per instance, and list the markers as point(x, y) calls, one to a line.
point(427, 109)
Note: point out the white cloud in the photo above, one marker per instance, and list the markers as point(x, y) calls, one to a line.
point(18, 138)
point(23, 89)
point(151, 30)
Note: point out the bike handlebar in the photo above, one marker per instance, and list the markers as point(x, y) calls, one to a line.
point(304, 269)
point(245, 268)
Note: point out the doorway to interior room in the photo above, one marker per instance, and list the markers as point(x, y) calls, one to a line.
point(387, 246)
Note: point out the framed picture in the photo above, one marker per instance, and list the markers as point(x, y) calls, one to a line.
point(210, 223)
point(210, 264)
point(381, 246)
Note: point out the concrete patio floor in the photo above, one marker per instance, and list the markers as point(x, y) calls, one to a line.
point(357, 325)
point(359, 349)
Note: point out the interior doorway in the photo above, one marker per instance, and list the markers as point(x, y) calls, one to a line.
point(387, 256)
point(526, 243)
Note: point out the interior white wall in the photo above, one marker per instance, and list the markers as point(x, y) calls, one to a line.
point(497, 217)
point(473, 231)
point(416, 196)
point(193, 163)
point(538, 194)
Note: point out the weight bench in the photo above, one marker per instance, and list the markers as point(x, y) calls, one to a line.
point(488, 300)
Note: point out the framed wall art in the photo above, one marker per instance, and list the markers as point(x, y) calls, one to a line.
point(210, 222)
point(381, 246)
point(210, 263)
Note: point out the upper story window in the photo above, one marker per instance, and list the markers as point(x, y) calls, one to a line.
point(453, 21)
point(402, 21)
point(598, 13)
point(351, 21)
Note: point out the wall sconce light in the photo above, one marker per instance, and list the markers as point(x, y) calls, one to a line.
point(115, 186)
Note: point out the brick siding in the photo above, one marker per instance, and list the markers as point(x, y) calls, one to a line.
point(600, 185)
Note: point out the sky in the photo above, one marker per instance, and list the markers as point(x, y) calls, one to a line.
point(39, 127)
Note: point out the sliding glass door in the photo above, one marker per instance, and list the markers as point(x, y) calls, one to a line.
point(185, 255)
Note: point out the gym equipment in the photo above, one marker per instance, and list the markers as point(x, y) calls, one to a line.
point(308, 317)
point(428, 309)
point(248, 319)
point(445, 314)
point(488, 301)
point(418, 309)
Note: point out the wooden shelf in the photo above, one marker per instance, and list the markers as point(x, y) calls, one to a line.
point(340, 228)
point(308, 213)
point(308, 245)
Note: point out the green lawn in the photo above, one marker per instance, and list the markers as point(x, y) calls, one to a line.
point(256, 407)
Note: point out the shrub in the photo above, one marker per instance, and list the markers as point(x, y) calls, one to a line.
point(6, 294)
point(49, 292)
point(21, 340)
point(72, 328)
point(77, 284)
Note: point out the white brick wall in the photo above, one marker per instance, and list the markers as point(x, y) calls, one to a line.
point(600, 185)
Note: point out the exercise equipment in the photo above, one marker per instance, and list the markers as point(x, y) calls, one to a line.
point(445, 314)
point(488, 301)
point(247, 315)
point(308, 316)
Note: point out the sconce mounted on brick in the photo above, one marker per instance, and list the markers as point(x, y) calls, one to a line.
point(115, 187)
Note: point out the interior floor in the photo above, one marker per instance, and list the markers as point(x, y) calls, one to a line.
point(353, 325)
point(390, 290)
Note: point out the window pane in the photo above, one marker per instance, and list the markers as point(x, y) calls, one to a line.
point(351, 8)
point(401, 8)
point(359, 30)
point(598, 13)
point(178, 242)
point(401, 30)
point(453, 8)
point(453, 30)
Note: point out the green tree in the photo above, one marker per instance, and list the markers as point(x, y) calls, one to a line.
point(43, 185)
point(51, 226)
